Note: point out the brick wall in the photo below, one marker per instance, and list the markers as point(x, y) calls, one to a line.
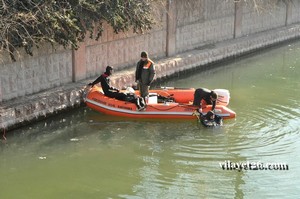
point(294, 12)
point(253, 21)
point(47, 69)
point(189, 24)
point(203, 22)
point(122, 50)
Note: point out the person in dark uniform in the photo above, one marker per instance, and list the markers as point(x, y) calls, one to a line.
point(113, 92)
point(211, 120)
point(204, 96)
point(108, 90)
point(144, 74)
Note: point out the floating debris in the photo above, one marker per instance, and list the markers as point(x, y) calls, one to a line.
point(42, 158)
point(74, 139)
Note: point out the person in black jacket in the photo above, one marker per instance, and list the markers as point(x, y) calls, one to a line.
point(113, 92)
point(211, 120)
point(108, 90)
point(208, 97)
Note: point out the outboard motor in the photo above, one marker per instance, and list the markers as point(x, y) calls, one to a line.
point(223, 96)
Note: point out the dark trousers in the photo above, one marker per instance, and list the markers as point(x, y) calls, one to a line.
point(198, 95)
point(118, 96)
point(127, 97)
point(139, 102)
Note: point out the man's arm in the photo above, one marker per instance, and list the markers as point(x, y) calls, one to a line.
point(96, 81)
point(213, 105)
point(137, 72)
point(106, 86)
point(152, 73)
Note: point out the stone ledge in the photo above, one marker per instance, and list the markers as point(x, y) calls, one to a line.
point(20, 111)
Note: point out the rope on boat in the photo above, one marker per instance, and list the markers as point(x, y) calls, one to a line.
point(169, 108)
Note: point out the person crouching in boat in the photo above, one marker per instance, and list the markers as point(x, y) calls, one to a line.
point(211, 120)
point(113, 92)
point(204, 96)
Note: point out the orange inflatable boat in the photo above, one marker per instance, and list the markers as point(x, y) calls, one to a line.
point(180, 107)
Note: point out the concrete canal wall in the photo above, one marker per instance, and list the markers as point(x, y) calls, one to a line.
point(190, 34)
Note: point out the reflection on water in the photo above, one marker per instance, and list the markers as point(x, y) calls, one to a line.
point(84, 154)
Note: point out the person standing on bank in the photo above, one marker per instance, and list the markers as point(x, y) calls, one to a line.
point(144, 74)
point(204, 96)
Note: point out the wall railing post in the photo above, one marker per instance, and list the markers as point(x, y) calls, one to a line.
point(79, 63)
point(238, 18)
point(171, 28)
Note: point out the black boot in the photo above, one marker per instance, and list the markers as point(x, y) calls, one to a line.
point(139, 106)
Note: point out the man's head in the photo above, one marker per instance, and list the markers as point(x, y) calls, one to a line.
point(109, 70)
point(210, 115)
point(213, 96)
point(144, 55)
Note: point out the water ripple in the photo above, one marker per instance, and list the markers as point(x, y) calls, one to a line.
point(270, 131)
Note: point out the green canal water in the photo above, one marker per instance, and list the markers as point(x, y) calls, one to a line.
point(84, 154)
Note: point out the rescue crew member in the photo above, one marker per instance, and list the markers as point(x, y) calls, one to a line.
point(211, 120)
point(108, 90)
point(113, 92)
point(204, 96)
point(144, 74)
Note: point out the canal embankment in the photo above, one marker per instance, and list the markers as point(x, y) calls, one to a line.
point(188, 35)
point(30, 108)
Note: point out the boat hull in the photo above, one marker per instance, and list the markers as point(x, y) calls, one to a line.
point(181, 109)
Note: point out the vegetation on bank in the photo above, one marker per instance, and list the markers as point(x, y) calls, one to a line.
point(27, 23)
